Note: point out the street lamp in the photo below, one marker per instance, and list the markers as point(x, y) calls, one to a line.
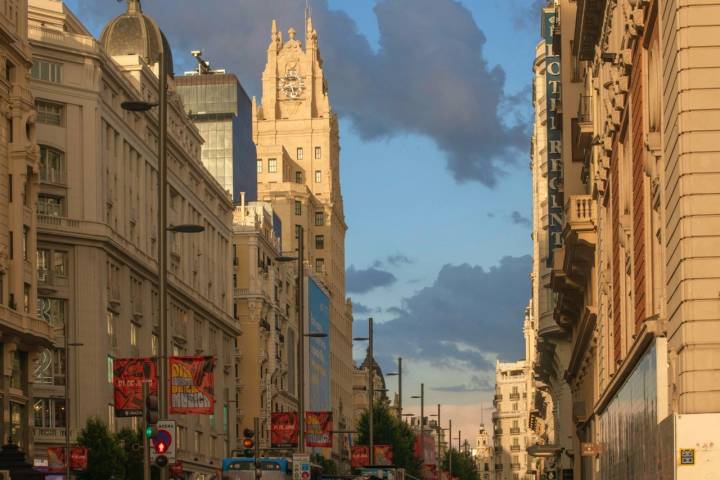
point(422, 420)
point(399, 375)
point(163, 228)
point(370, 393)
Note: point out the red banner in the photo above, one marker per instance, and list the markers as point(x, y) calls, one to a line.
point(177, 471)
point(318, 429)
point(192, 385)
point(284, 430)
point(359, 456)
point(56, 459)
point(128, 377)
point(429, 449)
point(383, 455)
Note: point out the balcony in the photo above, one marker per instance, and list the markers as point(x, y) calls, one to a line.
point(514, 396)
point(515, 431)
point(588, 23)
point(515, 466)
point(48, 434)
point(498, 398)
point(574, 263)
point(582, 128)
point(498, 467)
point(514, 448)
point(498, 450)
point(27, 326)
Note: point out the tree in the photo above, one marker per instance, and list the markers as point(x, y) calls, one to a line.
point(463, 465)
point(329, 467)
point(105, 456)
point(389, 430)
point(131, 443)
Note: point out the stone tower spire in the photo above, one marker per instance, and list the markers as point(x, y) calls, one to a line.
point(134, 6)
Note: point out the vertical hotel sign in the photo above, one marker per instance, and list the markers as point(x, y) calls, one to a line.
point(554, 137)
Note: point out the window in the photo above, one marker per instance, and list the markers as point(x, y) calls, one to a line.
point(10, 188)
point(298, 177)
point(298, 232)
point(155, 345)
point(133, 334)
point(26, 297)
point(17, 422)
point(52, 165)
point(51, 206)
point(259, 166)
point(111, 417)
point(47, 71)
point(52, 311)
point(17, 372)
point(298, 207)
point(9, 70)
point(318, 153)
point(49, 113)
point(319, 242)
point(319, 218)
point(319, 265)
point(60, 264)
point(515, 407)
point(49, 367)
point(272, 165)
point(26, 234)
point(299, 153)
point(49, 413)
point(110, 369)
point(318, 176)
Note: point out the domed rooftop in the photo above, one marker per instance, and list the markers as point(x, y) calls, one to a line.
point(134, 33)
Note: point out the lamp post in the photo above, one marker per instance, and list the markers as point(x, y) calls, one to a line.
point(450, 449)
point(68, 344)
point(399, 375)
point(370, 389)
point(422, 421)
point(163, 228)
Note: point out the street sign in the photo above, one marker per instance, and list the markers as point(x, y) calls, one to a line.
point(164, 443)
point(301, 466)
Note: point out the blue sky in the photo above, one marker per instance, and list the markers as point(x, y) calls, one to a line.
point(438, 233)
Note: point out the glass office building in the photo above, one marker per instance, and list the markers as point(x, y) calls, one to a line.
point(222, 112)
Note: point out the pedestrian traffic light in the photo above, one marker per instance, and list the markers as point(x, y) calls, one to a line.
point(152, 416)
point(248, 442)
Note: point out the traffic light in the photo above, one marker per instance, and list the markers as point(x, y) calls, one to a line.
point(152, 416)
point(248, 442)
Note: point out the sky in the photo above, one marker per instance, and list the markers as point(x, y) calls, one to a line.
point(434, 104)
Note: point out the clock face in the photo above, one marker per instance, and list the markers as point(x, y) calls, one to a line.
point(292, 84)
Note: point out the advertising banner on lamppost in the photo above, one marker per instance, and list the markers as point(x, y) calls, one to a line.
point(359, 456)
point(318, 364)
point(318, 429)
point(383, 455)
point(284, 430)
point(425, 448)
point(56, 459)
point(192, 385)
point(128, 377)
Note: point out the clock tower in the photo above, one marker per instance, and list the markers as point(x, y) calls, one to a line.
point(298, 164)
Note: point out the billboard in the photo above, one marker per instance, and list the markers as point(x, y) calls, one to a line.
point(425, 449)
point(318, 306)
point(383, 455)
point(318, 429)
point(192, 385)
point(556, 202)
point(284, 430)
point(128, 377)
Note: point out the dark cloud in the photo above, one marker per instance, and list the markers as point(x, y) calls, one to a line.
point(526, 13)
point(395, 311)
point(519, 219)
point(476, 384)
point(360, 309)
point(466, 314)
point(362, 281)
point(428, 77)
point(399, 259)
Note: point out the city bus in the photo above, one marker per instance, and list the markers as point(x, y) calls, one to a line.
point(271, 468)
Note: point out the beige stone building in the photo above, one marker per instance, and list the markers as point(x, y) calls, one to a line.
point(634, 272)
point(97, 230)
point(298, 168)
point(264, 292)
point(511, 435)
point(484, 454)
point(22, 333)
point(360, 387)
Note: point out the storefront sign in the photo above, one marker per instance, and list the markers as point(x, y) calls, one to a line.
point(192, 385)
point(556, 202)
point(359, 456)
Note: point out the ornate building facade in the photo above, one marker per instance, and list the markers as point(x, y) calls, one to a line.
point(298, 165)
point(23, 334)
point(97, 242)
point(633, 273)
point(264, 305)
